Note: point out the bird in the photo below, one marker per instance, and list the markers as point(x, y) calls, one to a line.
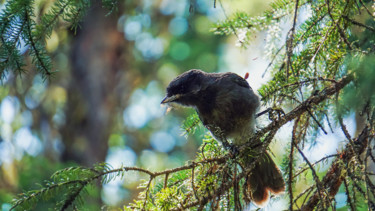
point(227, 105)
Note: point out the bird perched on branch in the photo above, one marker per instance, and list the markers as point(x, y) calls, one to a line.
point(227, 105)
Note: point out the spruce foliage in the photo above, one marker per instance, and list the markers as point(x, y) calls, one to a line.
point(20, 29)
point(322, 71)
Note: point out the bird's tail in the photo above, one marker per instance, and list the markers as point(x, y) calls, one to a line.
point(263, 179)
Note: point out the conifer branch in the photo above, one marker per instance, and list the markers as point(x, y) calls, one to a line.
point(50, 19)
point(17, 23)
point(39, 60)
point(335, 176)
point(340, 30)
point(11, 49)
point(348, 195)
point(200, 199)
point(367, 9)
point(313, 164)
point(309, 103)
point(291, 160)
point(358, 23)
point(214, 175)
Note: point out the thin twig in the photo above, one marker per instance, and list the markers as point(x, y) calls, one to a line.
point(358, 23)
point(315, 175)
point(73, 196)
point(289, 41)
point(334, 178)
point(231, 26)
point(316, 121)
point(367, 9)
point(192, 183)
point(299, 83)
point(313, 164)
point(12, 47)
point(355, 179)
point(369, 185)
point(166, 180)
point(348, 195)
point(329, 122)
point(318, 49)
point(146, 194)
point(308, 103)
point(33, 45)
point(341, 32)
point(291, 159)
point(273, 59)
point(307, 190)
point(343, 126)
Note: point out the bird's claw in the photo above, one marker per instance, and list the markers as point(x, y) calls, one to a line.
point(275, 113)
point(233, 150)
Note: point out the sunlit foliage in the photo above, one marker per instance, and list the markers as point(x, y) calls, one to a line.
point(320, 73)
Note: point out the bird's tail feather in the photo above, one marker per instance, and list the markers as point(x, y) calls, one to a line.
point(263, 179)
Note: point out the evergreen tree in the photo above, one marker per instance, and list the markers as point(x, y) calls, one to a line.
point(322, 72)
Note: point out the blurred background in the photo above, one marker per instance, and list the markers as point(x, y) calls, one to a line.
point(103, 104)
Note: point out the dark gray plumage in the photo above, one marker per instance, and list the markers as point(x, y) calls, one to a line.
point(227, 105)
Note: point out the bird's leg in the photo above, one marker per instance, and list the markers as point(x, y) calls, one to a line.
point(233, 149)
point(272, 112)
point(219, 135)
point(276, 111)
point(225, 143)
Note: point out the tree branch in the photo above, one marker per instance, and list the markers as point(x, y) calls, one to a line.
point(310, 102)
point(267, 133)
point(336, 174)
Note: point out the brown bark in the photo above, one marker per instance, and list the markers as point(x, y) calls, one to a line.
point(97, 67)
point(335, 176)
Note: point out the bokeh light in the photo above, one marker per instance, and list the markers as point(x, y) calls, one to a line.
point(150, 47)
point(8, 109)
point(120, 156)
point(178, 26)
point(167, 72)
point(176, 7)
point(135, 116)
point(133, 27)
point(180, 51)
point(162, 141)
point(6, 152)
point(6, 132)
point(36, 93)
point(28, 142)
point(144, 106)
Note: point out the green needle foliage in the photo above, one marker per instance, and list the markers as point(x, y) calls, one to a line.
point(191, 124)
point(20, 28)
point(66, 187)
point(321, 72)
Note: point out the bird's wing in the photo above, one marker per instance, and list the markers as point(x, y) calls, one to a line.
point(239, 80)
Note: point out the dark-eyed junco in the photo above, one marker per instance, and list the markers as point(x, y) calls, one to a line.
point(227, 105)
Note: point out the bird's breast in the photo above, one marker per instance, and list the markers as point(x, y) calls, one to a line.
point(231, 110)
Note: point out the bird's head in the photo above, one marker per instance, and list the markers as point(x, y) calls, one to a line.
point(185, 88)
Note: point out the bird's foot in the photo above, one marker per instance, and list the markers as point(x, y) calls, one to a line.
point(273, 113)
point(233, 150)
point(276, 113)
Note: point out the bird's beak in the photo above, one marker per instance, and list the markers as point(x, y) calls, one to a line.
point(169, 99)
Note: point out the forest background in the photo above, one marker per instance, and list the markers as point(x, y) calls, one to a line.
point(82, 83)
